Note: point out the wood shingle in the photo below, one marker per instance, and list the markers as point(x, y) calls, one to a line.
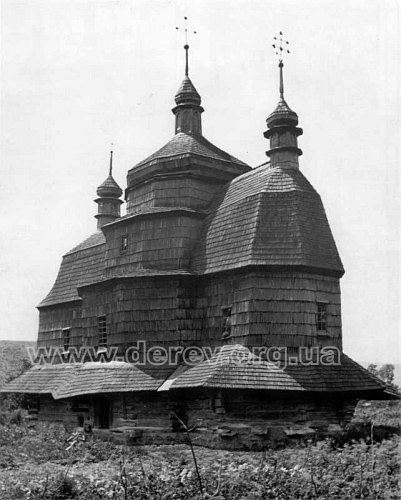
point(269, 216)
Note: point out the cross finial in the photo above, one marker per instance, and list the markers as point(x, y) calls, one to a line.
point(111, 160)
point(186, 46)
point(281, 47)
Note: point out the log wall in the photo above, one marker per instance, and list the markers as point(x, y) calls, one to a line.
point(66, 411)
point(221, 419)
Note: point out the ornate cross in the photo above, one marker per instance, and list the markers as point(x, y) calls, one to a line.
point(186, 46)
point(280, 46)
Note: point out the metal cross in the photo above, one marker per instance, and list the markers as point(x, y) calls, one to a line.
point(186, 29)
point(186, 46)
point(280, 46)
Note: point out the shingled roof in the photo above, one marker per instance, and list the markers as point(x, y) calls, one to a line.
point(230, 367)
point(81, 265)
point(236, 367)
point(109, 188)
point(185, 144)
point(75, 379)
point(269, 216)
point(46, 379)
point(187, 93)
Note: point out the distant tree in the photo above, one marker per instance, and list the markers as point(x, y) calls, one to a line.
point(24, 365)
point(385, 373)
point(12, 401)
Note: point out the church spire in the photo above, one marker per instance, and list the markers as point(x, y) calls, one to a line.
point(108, 202)
point(111, 163)
point(282, 123)
point(281, 65)
point(188, 108)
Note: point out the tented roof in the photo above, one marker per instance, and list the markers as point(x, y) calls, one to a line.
point(269, 216)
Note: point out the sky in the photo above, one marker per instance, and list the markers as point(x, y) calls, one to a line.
point(77, 75)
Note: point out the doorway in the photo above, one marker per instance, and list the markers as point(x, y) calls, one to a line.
point(103, 413)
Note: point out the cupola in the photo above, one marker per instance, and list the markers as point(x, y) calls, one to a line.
point(109, 202)
point(188, 110)
point(283, 132)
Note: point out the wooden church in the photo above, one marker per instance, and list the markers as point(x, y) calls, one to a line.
point(214, 302)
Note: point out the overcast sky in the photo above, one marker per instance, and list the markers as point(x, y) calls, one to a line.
point(78, 75)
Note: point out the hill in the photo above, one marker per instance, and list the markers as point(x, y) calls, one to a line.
point(12, 357)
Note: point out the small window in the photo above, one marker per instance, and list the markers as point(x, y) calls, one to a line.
point(124, 243)
point(102, 331)
point(321, 319)
point(226, 326)
point(66, 338)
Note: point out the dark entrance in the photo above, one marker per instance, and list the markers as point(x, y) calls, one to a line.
point(103, 413)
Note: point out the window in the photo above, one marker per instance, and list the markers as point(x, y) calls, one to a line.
point(102, 331)
point(226, 326)
point(124, 243)
point(66, 338)
point(321, 318)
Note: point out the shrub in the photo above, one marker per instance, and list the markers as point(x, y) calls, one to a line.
point(316, 471)
point(65, 487)
point(16, 417)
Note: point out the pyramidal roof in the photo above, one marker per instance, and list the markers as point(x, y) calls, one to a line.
point(190, 144)
point(189, 140)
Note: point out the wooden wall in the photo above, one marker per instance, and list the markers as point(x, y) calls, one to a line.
point(268, 309)
point(236, 419)
point(159, 241)
point(65, 411)
point(177, 191)
point(271, 308)
point(223, 419)
point(158, 310)
point(54, 318)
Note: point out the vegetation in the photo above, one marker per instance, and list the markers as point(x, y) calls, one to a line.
point(13, 359)
point(13, 362)
point(46, 462)
point(385, 373)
